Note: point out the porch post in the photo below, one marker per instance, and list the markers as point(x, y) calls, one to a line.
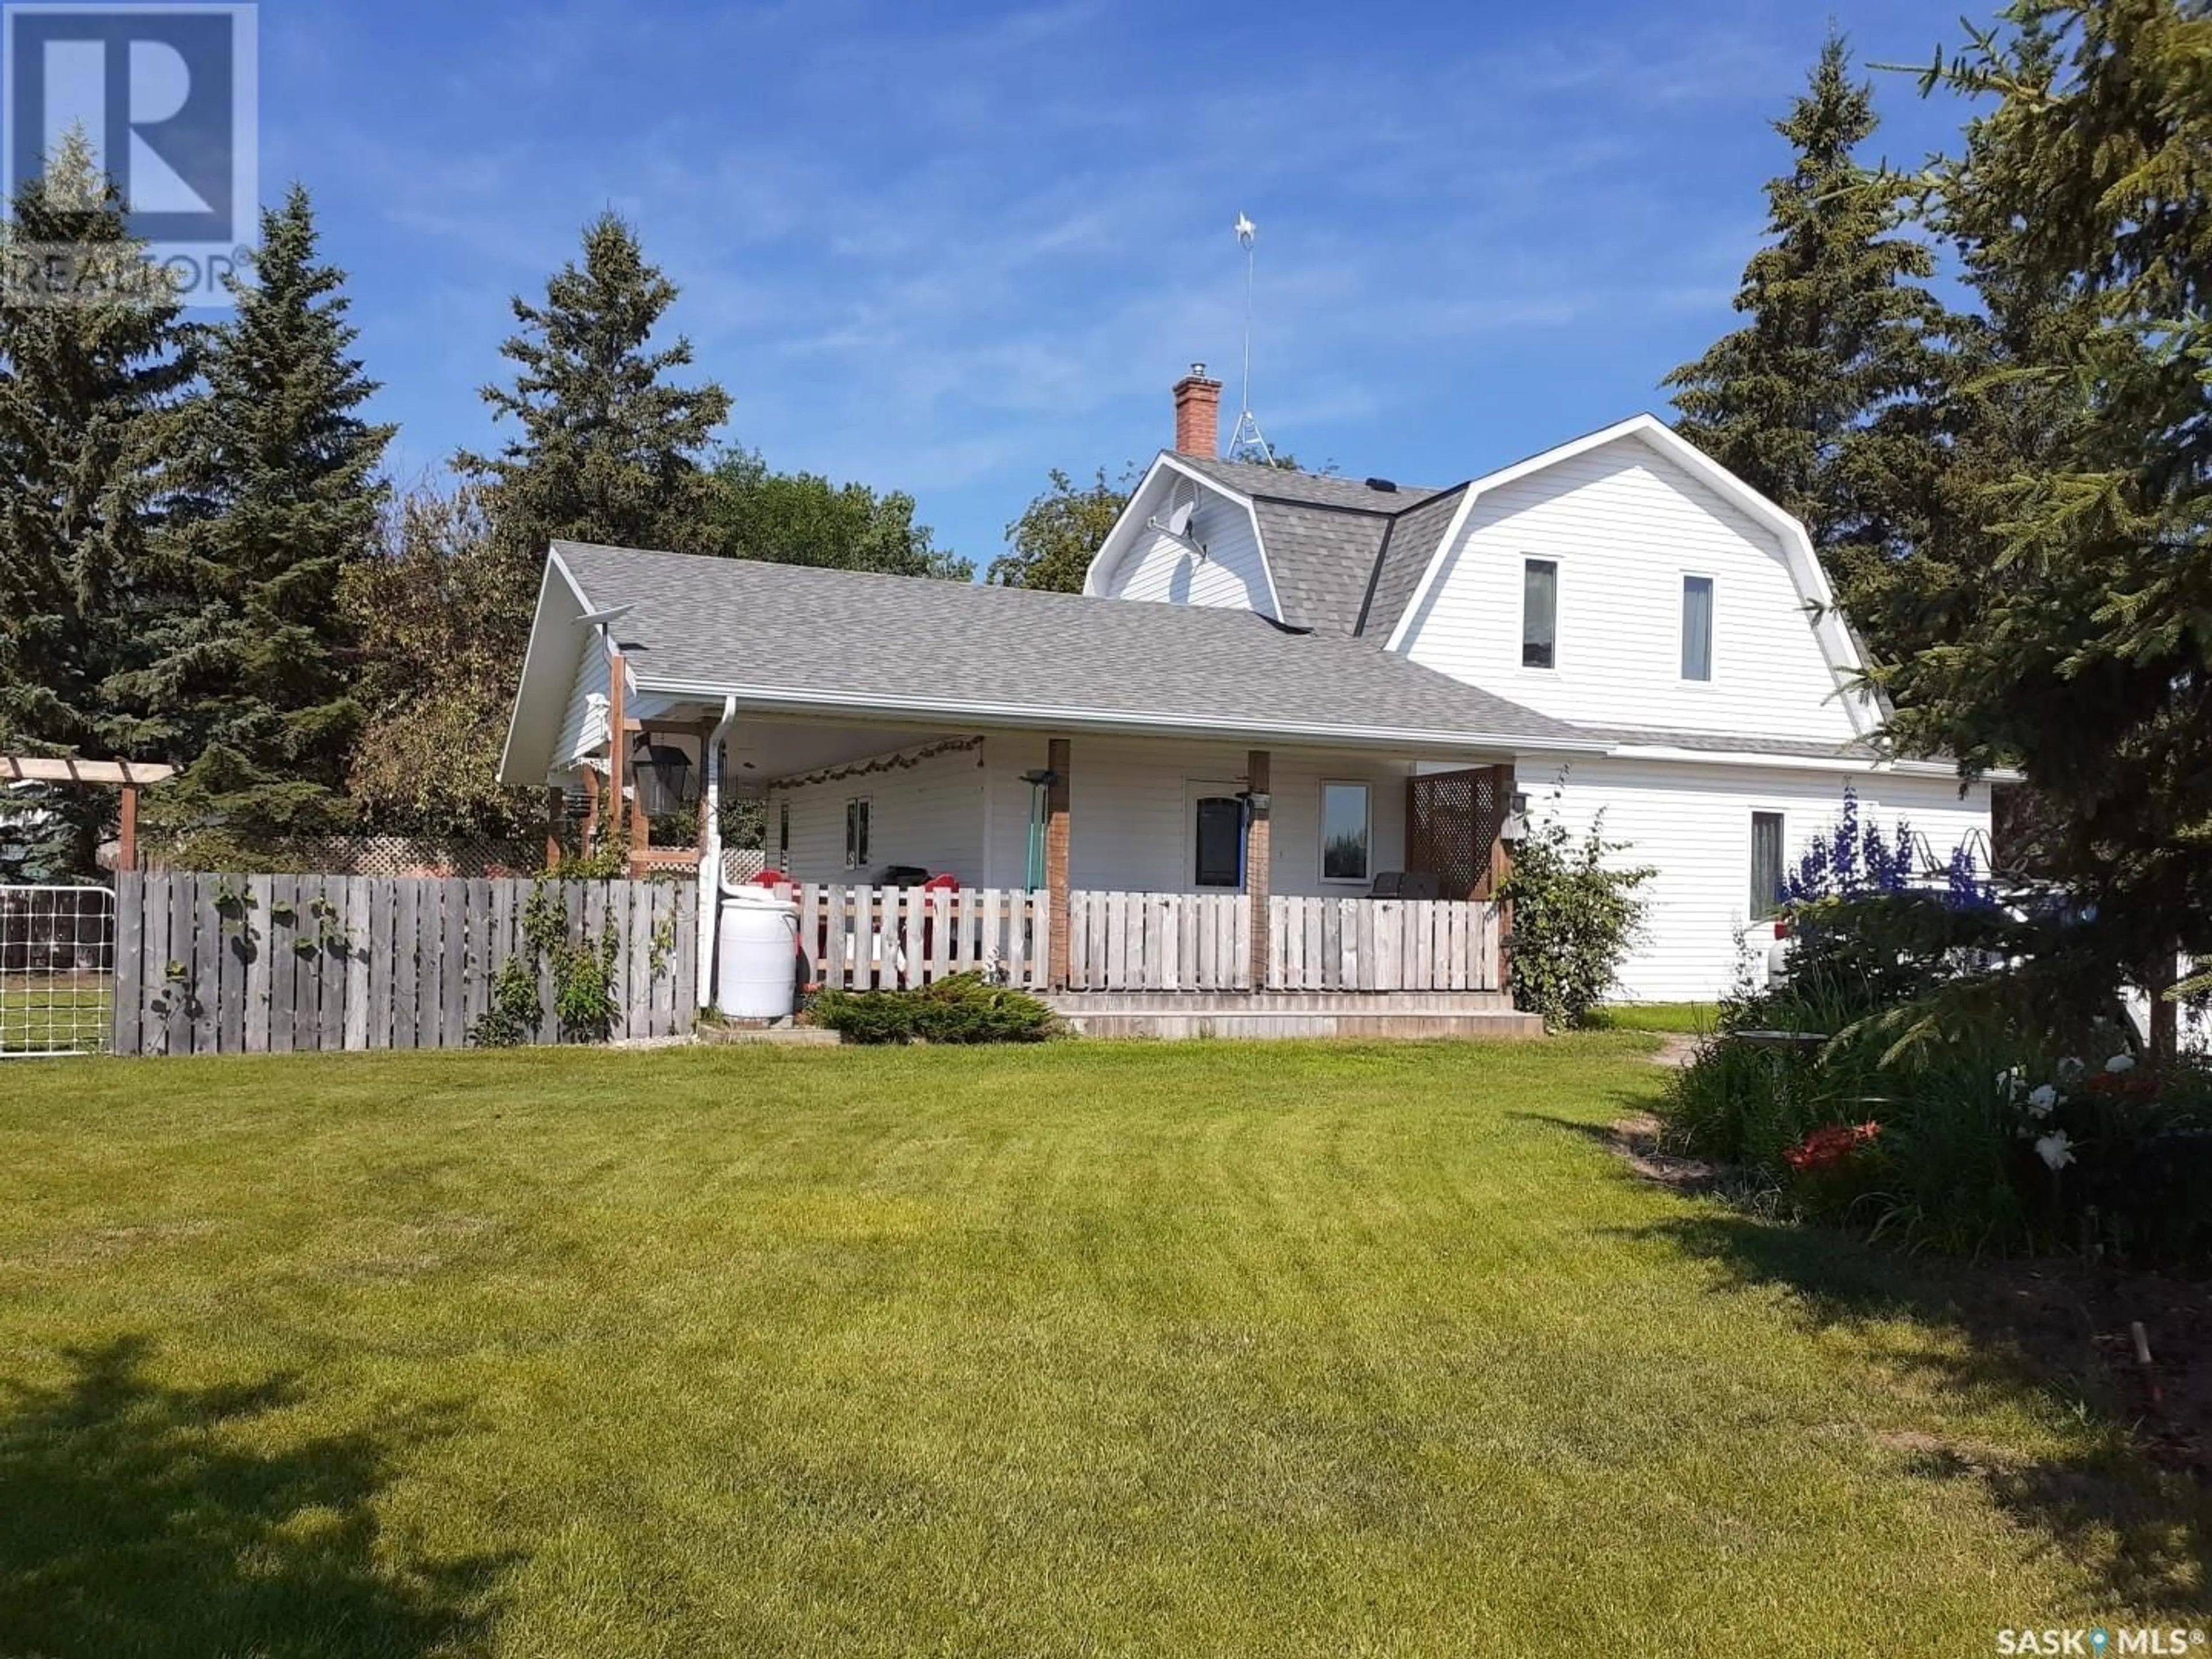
point(641, 827)
point(591, 833)
point(1258, 862)
point(126, 840)
point(617, 760)
point(1501, 869)
point(1058, 758)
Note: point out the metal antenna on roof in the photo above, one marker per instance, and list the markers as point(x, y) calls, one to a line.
point(1248, 442)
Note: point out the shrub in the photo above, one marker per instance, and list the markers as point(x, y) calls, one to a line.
point(1575, 917)
point(1957, 1028)
point(963, 1008)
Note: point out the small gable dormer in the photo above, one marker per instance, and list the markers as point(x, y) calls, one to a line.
point(1184, 540)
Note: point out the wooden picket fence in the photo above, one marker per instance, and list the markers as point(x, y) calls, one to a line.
point(276, 964)
point(897, 937)
point(1383, 945)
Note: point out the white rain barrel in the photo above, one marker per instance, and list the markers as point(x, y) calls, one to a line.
point(757, 963)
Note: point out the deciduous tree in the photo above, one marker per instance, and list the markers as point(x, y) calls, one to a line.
point(801, 518)
point(1051, 546)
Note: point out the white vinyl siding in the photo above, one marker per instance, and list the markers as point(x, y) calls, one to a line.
point(1692, 824)
point(584, 724)
point(930, 814)
point(1229, 573)
point(1625, 524)
point(1130, 828)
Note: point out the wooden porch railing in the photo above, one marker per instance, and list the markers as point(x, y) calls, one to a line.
point(1203, 942)
point(1384, 944)
point(897, 937)
point(859, 938)
point(1159, 941)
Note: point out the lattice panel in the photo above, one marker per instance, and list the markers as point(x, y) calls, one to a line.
point(1452, 820)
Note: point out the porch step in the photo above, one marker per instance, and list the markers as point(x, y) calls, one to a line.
point(1463, 1015)
point(1282, 1002)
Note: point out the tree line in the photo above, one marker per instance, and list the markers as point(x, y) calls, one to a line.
point(203, 561)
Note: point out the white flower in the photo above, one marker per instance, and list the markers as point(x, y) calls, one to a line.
point(2056, 1149)
point(2069, 1070)
point(2009, 1083)
point(2119, 1063)
point(2041, 1099)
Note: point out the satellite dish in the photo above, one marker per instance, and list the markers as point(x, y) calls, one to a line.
point(1179, 518)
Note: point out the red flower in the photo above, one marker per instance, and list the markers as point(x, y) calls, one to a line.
point(2123, 1085)
point(1825, 1149)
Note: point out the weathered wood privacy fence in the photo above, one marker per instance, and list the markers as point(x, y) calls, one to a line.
point(1203, 942)
point(251, 964)
point(897, 937)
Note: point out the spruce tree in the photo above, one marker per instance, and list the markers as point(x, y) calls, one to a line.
point(89, 393)
point(280, 493)
point(608, 451)
point(2080, 649)
point(1819, 400)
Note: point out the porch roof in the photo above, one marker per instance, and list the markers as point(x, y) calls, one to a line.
point(842, 644)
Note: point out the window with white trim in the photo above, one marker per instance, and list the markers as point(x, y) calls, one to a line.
point(1766, 865)
point(1347, 832)
point(1540, 613)
point(857, 812)
point(1696, 628)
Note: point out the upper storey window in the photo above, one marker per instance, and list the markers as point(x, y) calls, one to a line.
point(1540, 613)
point(1696, 628)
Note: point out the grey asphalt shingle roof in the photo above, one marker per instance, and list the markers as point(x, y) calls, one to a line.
point(1312, 488)
point(1321, 559)
point(1323, 536)
point(888, 642)
point(1733, 742)
point(1414, 538)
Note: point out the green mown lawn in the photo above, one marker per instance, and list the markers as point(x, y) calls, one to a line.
point(1097, 1349)
point(1673, 1019)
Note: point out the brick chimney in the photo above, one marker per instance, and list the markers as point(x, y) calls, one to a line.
point(1198, 414)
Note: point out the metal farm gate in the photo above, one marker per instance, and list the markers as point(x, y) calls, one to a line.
point(57, 970)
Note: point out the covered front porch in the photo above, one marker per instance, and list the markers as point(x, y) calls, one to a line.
point(1088, 867)
point(1145, 812)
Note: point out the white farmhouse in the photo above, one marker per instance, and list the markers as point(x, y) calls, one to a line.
point(1261, 774)
point(1624, 583)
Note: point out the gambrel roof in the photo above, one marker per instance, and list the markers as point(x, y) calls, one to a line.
point(1342, 553)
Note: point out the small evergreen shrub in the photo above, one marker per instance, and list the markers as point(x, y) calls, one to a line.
point(965, 1008)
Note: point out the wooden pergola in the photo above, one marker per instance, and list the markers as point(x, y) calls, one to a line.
point(129, 776)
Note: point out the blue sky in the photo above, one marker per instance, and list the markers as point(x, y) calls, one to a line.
point(944, 248)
